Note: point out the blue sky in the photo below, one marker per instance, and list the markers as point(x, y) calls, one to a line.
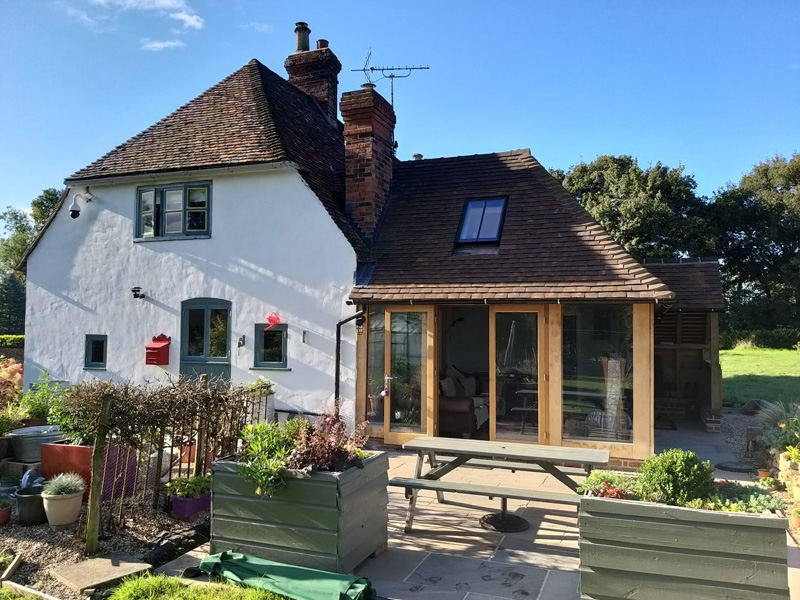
point(711, 85)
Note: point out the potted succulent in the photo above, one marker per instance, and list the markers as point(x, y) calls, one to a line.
point(62, 498)
point(302, 494)
point(189, 496)
point(5, 511)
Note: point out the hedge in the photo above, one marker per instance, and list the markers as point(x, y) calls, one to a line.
point(781, 338)
point(12, 341)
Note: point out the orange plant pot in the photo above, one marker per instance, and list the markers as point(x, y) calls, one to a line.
point(764, 473)
point(794, 520)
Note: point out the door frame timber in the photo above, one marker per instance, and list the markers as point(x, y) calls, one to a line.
point(429, 402)
point(541, 366)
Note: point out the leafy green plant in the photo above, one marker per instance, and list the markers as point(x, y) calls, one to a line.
point(10, 417)
point(770, 483)
point(267, 447)
point(597, 479)
point(675, 477)
point(190, 487)
point(794, 453)
point(64, 484)
point(41, 396)
point(328, 447)
point(4, 504)
point(262, 386)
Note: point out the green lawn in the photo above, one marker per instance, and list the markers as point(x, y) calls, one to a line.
point(760, 373)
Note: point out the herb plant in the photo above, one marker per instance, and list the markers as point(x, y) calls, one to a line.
point(675, 477)
point(597, 480)
point(190, 487)
point(41, 396)
point(64, 484)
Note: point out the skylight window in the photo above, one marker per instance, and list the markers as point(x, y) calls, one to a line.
point(482, 220)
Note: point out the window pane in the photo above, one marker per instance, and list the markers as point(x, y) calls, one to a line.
point(272, 350)
point(472, 221)
point(376, 360)
point(517, 376)
point(598, 372)
point(148, 229)
point(490, 227)
point(174, 222)
point(196, 220)
point(197, 332)
point(174, 200)
point(407, 388)
point(198, 197)
point(97, 351)
point(218, 336)
point(147, 201)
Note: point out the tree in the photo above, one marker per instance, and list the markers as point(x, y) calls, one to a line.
point(22, 228)
point(12, 305)
point(758, 237)
point(652, 213)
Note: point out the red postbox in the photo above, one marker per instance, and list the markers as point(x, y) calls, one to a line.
point(157, 351)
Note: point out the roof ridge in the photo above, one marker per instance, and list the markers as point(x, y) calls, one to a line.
point(520, 152)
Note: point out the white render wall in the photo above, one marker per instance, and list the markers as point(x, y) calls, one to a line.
point(273, 247)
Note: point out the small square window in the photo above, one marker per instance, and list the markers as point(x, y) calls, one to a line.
point(174, 210)
point(482, 221)
point(95, 352)
point(270, 350)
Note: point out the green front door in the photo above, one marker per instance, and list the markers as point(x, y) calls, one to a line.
point(206, 338)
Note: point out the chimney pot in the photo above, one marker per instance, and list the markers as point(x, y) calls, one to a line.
point(302, 31)
point(322, 44)
point(368, 86)
point(416, 156)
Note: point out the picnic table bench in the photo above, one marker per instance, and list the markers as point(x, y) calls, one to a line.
point(447, 454)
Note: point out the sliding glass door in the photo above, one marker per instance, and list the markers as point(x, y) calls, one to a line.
point(517, 391)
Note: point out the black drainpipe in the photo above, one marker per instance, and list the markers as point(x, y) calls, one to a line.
point(359, 316)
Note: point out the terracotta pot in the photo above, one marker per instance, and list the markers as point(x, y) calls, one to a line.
point(764, 473)
point(5, 515)
point(794, 520)
point(120, 466)
point(62, 510)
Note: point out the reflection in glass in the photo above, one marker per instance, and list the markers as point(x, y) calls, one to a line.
point(376, 364)
point(196, 332)
point(97, 351)
point(218, 334)
point(409, 367)
point(272, 350)
point(598, 372)
point(517, 392)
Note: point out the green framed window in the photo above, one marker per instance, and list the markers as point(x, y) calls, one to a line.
point(173, 211)
point(205, 330)
point(270, 346)
point(95, 352)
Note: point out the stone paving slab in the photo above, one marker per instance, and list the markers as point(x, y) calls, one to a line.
point(466, 575)
point(175, 568)
point(98, 573)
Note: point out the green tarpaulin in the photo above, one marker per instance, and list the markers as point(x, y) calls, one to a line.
point(299, 583)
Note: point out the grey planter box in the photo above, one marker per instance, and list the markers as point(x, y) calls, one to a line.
point(328, 521)
point(652, 551)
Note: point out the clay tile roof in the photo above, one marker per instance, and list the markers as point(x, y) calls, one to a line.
point(253, 116)
point(550, 248)
point(695, 281)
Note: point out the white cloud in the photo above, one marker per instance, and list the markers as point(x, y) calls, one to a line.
point(258, 26)
point(166, 5)
point(158, 45)
point(188, 20)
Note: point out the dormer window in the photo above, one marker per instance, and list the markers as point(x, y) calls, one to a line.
point(173, 211)
point(482, 221)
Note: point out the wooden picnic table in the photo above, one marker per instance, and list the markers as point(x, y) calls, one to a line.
point(447, 454)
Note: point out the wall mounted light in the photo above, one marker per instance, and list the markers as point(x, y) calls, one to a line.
point(137, 292)
point(240, 343)
point(360, 324)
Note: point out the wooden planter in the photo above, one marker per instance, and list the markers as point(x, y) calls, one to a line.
point(328, 521)
point(644, 550)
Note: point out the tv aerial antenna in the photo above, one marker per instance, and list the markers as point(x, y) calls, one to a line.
point(391, 73)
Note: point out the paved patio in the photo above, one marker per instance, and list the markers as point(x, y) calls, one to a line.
point(448, 556)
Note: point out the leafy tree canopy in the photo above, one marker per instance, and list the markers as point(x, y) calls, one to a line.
point(653, 212)
point(22, 227)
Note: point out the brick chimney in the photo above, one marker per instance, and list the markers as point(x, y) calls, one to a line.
point(369, 151)
point(315, 71)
